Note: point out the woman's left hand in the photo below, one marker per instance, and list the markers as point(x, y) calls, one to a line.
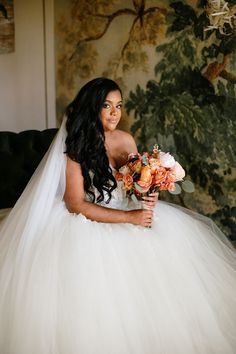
point(150, 201)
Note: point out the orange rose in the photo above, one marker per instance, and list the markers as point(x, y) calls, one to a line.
point(160, 176)
point(145, 179)
point(119, 176)
point(128, 182)
point(146, 174)
point(168, 182)
point(144, 185)
point(167, 186)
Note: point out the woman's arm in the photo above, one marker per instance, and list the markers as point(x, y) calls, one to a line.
point(75, 201)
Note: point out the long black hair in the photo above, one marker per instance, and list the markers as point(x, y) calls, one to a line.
point(85, 137)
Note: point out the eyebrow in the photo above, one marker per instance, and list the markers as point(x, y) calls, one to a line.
point(112, 101)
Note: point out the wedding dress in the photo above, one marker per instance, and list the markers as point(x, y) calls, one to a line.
point(69, 285)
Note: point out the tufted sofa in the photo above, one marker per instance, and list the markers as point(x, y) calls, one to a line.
point(20, 154)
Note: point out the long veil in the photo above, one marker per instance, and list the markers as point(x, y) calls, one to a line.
point(33, 208)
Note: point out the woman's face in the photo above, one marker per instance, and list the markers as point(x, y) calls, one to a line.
point(111, 111)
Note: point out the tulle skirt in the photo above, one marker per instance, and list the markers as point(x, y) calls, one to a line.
point(82, 287)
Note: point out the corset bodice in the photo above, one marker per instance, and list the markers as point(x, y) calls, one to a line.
point(118, 199)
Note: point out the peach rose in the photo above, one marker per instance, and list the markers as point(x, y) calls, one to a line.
point(160, 176)
point(168, 182)
point(144, 185)
point(167, 186)
point(154, 164)
point(128, 181)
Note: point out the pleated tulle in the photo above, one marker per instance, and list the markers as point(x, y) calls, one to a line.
point(83, 287)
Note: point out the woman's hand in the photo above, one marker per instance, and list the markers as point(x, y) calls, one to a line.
point(150, 201)
point(142, 217)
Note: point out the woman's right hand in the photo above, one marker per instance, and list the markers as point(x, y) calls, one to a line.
point(142, 217)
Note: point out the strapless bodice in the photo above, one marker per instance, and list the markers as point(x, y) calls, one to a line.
point(118, 199)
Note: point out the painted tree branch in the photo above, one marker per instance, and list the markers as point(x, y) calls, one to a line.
point(139, 13)
point(139, 5)
point(215, 69)
point(149, 10)
point(109, 18)
point(117, 13)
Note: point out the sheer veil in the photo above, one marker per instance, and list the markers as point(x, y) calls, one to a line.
point(32, 210)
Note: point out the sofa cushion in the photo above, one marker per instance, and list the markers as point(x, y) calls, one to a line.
point(20, 154)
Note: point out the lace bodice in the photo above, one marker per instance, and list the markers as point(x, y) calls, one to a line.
point(118, 199)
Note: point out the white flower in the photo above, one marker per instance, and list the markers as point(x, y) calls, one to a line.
point(166, 160)
point(124, 170)
point(178, 172)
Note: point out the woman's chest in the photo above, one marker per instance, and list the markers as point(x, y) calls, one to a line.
point(117, 155)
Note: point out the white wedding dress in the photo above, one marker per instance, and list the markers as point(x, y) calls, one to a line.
point(69, 285)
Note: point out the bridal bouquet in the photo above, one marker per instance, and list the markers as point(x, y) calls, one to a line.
point(150, 172)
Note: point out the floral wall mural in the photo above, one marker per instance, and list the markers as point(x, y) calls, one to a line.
point(113, 38)
point(7, 28)
point(178, 81)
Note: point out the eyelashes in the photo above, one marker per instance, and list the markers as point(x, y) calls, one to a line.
point(108, 105)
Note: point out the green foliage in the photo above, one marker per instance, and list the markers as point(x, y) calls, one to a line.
point(185, 16)
point(227, 218)
point(198, 116)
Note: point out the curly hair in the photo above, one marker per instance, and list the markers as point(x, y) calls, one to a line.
point(85, 137)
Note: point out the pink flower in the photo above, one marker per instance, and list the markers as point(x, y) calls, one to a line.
point(178, 171)
point(166, 159)
point(133, 155)
point(154, 164)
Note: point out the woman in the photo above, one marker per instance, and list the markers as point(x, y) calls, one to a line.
point(95, 145)
point(81, 274)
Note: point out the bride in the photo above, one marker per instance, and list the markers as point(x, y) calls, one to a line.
point(81, 274)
